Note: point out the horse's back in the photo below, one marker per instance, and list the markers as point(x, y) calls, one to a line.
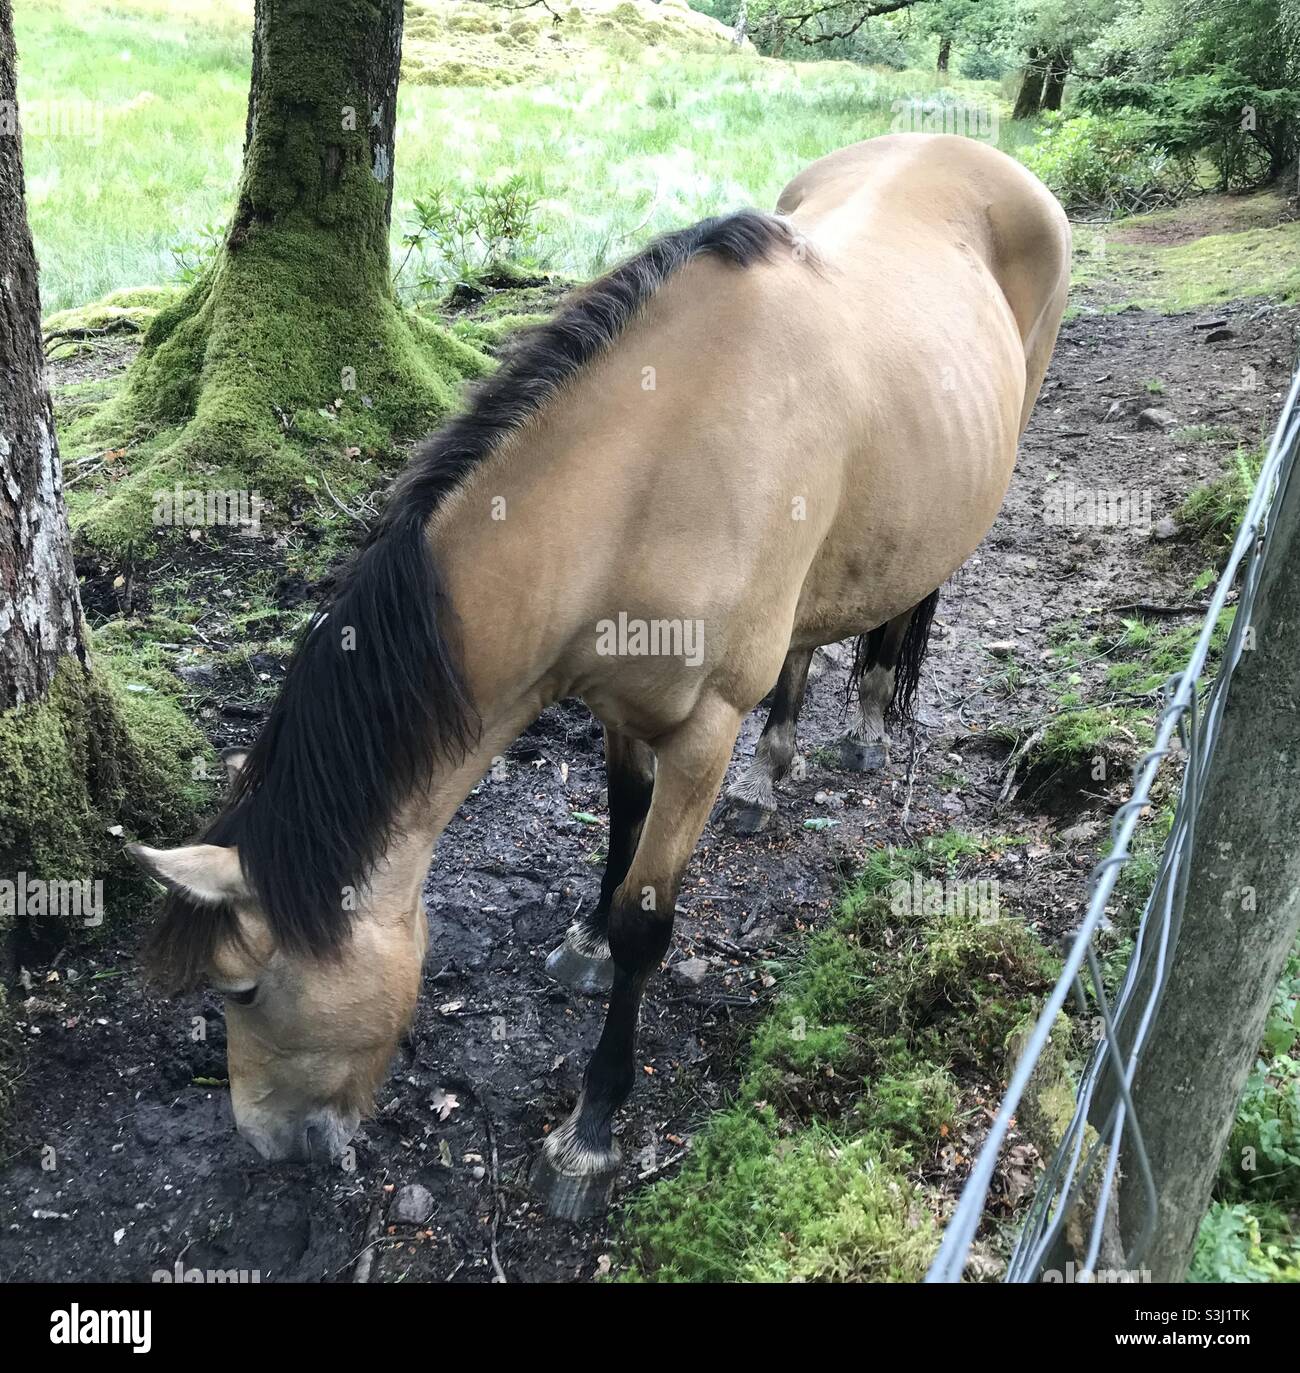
point(909, 194)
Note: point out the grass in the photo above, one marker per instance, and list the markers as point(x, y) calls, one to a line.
point(1212, 513)
point(892, 1027)
point(1171, 278)
point(1105, 716)
point(615, 149)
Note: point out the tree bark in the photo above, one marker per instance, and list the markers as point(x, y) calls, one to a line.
point(1240, 923)
point(1030, 95)
point(322, 108)
point(1058, 68)
point(742, 24)
point(945, 51)
point(40, 612)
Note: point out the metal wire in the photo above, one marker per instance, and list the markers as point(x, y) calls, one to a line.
point(1196, 728)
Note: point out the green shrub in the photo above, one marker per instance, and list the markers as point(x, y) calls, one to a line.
point(471, 232)
point(1245, 130)
point(1113, 164)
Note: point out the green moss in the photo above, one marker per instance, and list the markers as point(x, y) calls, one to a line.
point(276, 364)
point(129, 310)
point(851, 1085)
point(819, 1208)
point(492, 333)
point(104, 749)
point(1113, 719)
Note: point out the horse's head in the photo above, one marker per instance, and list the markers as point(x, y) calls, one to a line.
point(309, 1036)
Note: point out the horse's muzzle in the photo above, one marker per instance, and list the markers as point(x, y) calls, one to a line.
point(320, 1137)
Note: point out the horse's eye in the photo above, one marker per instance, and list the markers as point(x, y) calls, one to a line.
point(241, 998)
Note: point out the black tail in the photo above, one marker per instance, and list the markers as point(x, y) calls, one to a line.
point(881, 648)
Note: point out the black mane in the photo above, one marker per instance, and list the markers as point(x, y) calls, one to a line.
point(356, 729)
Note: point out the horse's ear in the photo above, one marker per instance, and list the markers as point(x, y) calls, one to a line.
point(206, 873)
point(234, 759)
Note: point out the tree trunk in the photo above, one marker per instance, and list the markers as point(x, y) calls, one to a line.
point(1031, 86)
point(40, 615)
point(1240, 923)
point(1058, 68)
point(945, 51)
point(295, 331)
point(742, 24)
point(80, 760)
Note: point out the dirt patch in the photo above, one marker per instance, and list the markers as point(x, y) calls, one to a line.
point(128, 1163)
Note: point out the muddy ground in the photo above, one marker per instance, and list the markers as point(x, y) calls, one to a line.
point(128, 1111)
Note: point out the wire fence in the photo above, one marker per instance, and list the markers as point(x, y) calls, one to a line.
point(1189, 724)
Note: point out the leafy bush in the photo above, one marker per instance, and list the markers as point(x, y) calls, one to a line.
point(1250, 1234)
point(1244, 1244)
point(1246, 131)
point(193, 256)
point(1114, 164)
point(470, 232)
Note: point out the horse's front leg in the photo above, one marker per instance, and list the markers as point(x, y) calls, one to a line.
point(583, 962)
point(751, 798)
point(580, 1160)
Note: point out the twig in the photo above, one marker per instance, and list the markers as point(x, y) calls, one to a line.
point(496, 1193)
point(659, 1167)
point(351, 514)
point(365, 1260)
point(1013, 762)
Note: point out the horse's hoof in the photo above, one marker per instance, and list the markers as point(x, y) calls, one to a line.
point(856, 755)
point(748, 817)
point(581, 972)
point(576, 1196)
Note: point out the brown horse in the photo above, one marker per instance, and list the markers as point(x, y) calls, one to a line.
point(762, 434)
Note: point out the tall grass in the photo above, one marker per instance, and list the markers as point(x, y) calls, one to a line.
point(638, 141)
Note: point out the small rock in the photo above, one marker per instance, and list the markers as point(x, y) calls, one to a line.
point(1155, 418)
point(197, 672)
point(411, 1206)
point(691, 972)
point(1165, 528)
point(1001, 648)
point(1076, 834)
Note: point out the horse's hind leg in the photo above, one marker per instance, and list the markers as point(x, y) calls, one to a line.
point(582, 962)
point(580, 1160)
point(886, 669)
point(751, 799)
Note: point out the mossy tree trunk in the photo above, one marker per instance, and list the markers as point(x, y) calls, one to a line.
point(40, 616)
point(945, 52)
point(79, 756)
point(1030, 96)
point(297, 315)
